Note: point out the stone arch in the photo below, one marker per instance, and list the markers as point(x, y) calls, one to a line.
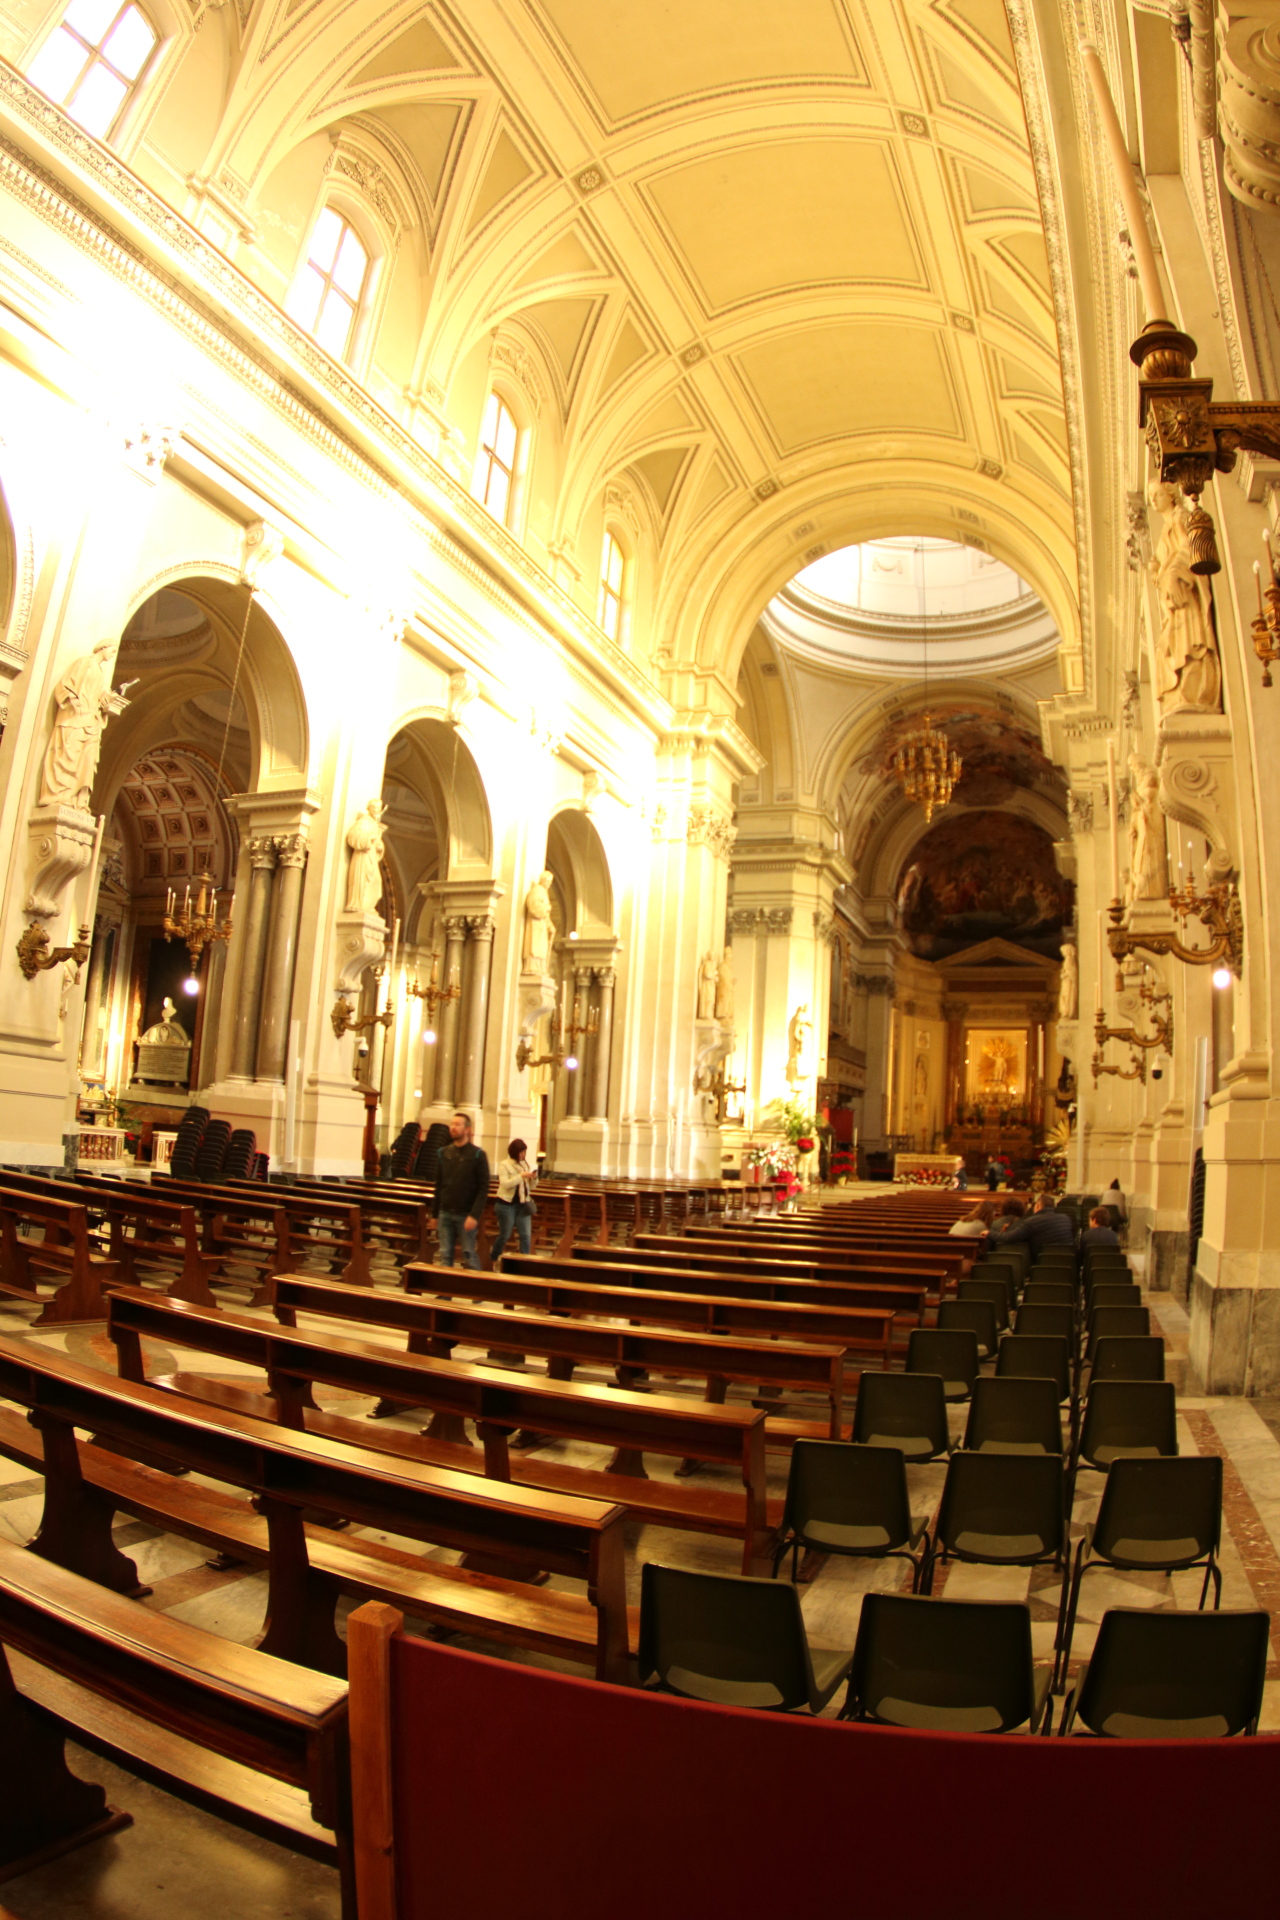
point(576, 856)
point(438, 812)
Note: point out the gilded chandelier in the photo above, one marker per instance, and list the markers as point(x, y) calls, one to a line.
point(927, 767)
point(197, 926)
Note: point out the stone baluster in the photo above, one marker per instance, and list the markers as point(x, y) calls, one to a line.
point(282, 944)
point(480, 929)
point(455, 933)
point(577, 1089)
point(257, 925)
point(598, 1100)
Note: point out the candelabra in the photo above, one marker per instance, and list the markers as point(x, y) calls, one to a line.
point(559, 1055)
point(35, 955)
point(1217, 908)
point(1266, 625)
point(433, 995)
point(1162, 1027)
point(1136, 1070)
point(344, 1021)
point(196, 926)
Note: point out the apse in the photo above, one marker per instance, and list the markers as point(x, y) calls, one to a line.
point(979, 876)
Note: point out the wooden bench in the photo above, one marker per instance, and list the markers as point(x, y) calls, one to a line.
point(260, 1739)
point(718, 1251)
point(247, 1230)
point(436, 1325)
point(872, 1307)
point(328, 1230)
point(284, 1473)
point(144, 1235)
point(602, 1293)
point(64, 1248)
point(397, 1223)
point(499, 1403)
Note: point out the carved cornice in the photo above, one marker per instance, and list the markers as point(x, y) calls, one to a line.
point(749, 921)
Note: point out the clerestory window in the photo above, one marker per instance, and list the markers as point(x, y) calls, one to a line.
point(93, 60)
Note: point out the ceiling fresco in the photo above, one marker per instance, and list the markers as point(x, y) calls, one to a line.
point(983, 876)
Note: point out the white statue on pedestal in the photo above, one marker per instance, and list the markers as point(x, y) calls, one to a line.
point(798, 1032)
point(1069, 983)
point(1148, 852)
point(536, 949)
point(1187, 671)
point(707, 987)
point(364, 877)
point(85, 704)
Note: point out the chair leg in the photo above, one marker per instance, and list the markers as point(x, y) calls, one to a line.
point(1068, 1627)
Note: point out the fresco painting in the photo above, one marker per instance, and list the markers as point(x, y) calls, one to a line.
point(982, 876)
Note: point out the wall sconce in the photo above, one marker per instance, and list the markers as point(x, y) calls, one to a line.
point(1217, 909)
point(35, 955)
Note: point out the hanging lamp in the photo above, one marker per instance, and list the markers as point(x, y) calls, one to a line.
point(924, 763)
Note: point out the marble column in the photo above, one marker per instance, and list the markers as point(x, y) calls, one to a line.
point(257, 923)
point(480, 930)
point(91, 1048)
point(282, 945)
point(575, 1104)
point(598, 1098)
point(455, 933)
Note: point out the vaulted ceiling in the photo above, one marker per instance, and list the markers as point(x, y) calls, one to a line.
point(781, 266)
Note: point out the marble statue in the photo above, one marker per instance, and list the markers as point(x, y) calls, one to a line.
point(724, 989)
point(707, 987)
point(536, 949)
point(364, 878)
point(1148, 853)
point(85, 704)
point(1187, 671)
point(798, 1031)
point(1069, 983)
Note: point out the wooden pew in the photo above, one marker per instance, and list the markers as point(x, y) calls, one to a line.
point(871, 1305)
point(261, 1738)
point(399, 1223)
point(144, 1233)
point(284, 1473)
point(498, 1403)
point(330, 1230)
point(718, 1249)
point(65, 1248)
point(602, 1293)
point(246, 1229)
point(436, 1325)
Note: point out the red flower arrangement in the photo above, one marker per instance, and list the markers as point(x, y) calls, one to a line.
point(805, 1145)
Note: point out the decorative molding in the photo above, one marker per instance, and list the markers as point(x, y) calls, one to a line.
point(826, 928)
point(463, 689)
point(750, 921)
point(261, 545)
point(147, 447)
point(708, 828)
point(61, 843)
point(1080, 812)
point(523, 367)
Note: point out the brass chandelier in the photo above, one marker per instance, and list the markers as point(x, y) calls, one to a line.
point(925, 764)
point(927, 767)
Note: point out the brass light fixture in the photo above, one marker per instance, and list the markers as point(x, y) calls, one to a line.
point(433, 994)
point(925, 764)
point(196, 925)
point(1266, 624)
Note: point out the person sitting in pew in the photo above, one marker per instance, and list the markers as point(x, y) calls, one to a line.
point(1046, 1227)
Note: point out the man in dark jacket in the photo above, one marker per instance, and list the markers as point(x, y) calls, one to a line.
point(1100, 1232)
point(462, 1187)
point(1046, 1227)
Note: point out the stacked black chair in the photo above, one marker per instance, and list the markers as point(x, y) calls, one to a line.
point(261, 1162)
point(212, 1150)
point(404, 1150)
point(242, 1151)
point(191, 1127)
point(428, 1160)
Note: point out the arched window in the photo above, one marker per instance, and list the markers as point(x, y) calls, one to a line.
point(330, 289)
point(93, 60)
point(496, 464)
point(613, 575)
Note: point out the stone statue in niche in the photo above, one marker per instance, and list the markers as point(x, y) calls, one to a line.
point(724, 989)
point(798, 1031)
point(364, 877)
point(1069, 982)
point(535, 950)
point(707, 987)
point(1148, 854)
point(1187, 670)
point(85, 704)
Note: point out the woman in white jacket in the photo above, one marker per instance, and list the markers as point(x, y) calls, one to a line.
point(514, 1203)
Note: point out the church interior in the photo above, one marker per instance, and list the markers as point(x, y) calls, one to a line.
point(636, 645)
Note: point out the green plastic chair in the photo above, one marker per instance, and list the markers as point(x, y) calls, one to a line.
point(1172, 1676)
point(849, 1499)
point(947, 1666)
point(734, 1641)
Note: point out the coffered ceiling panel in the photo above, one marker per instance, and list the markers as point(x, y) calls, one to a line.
point(768, 218)
point(876, 377)
point(634, 58)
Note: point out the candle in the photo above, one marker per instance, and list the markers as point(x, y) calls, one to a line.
point(1144, 254)
point(1102, 956)
point(1113, 817)
point(1191, 864)
point(1257, 581)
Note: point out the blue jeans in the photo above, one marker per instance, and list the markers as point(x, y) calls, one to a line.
point(451, 1230)
point(511, 1220)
